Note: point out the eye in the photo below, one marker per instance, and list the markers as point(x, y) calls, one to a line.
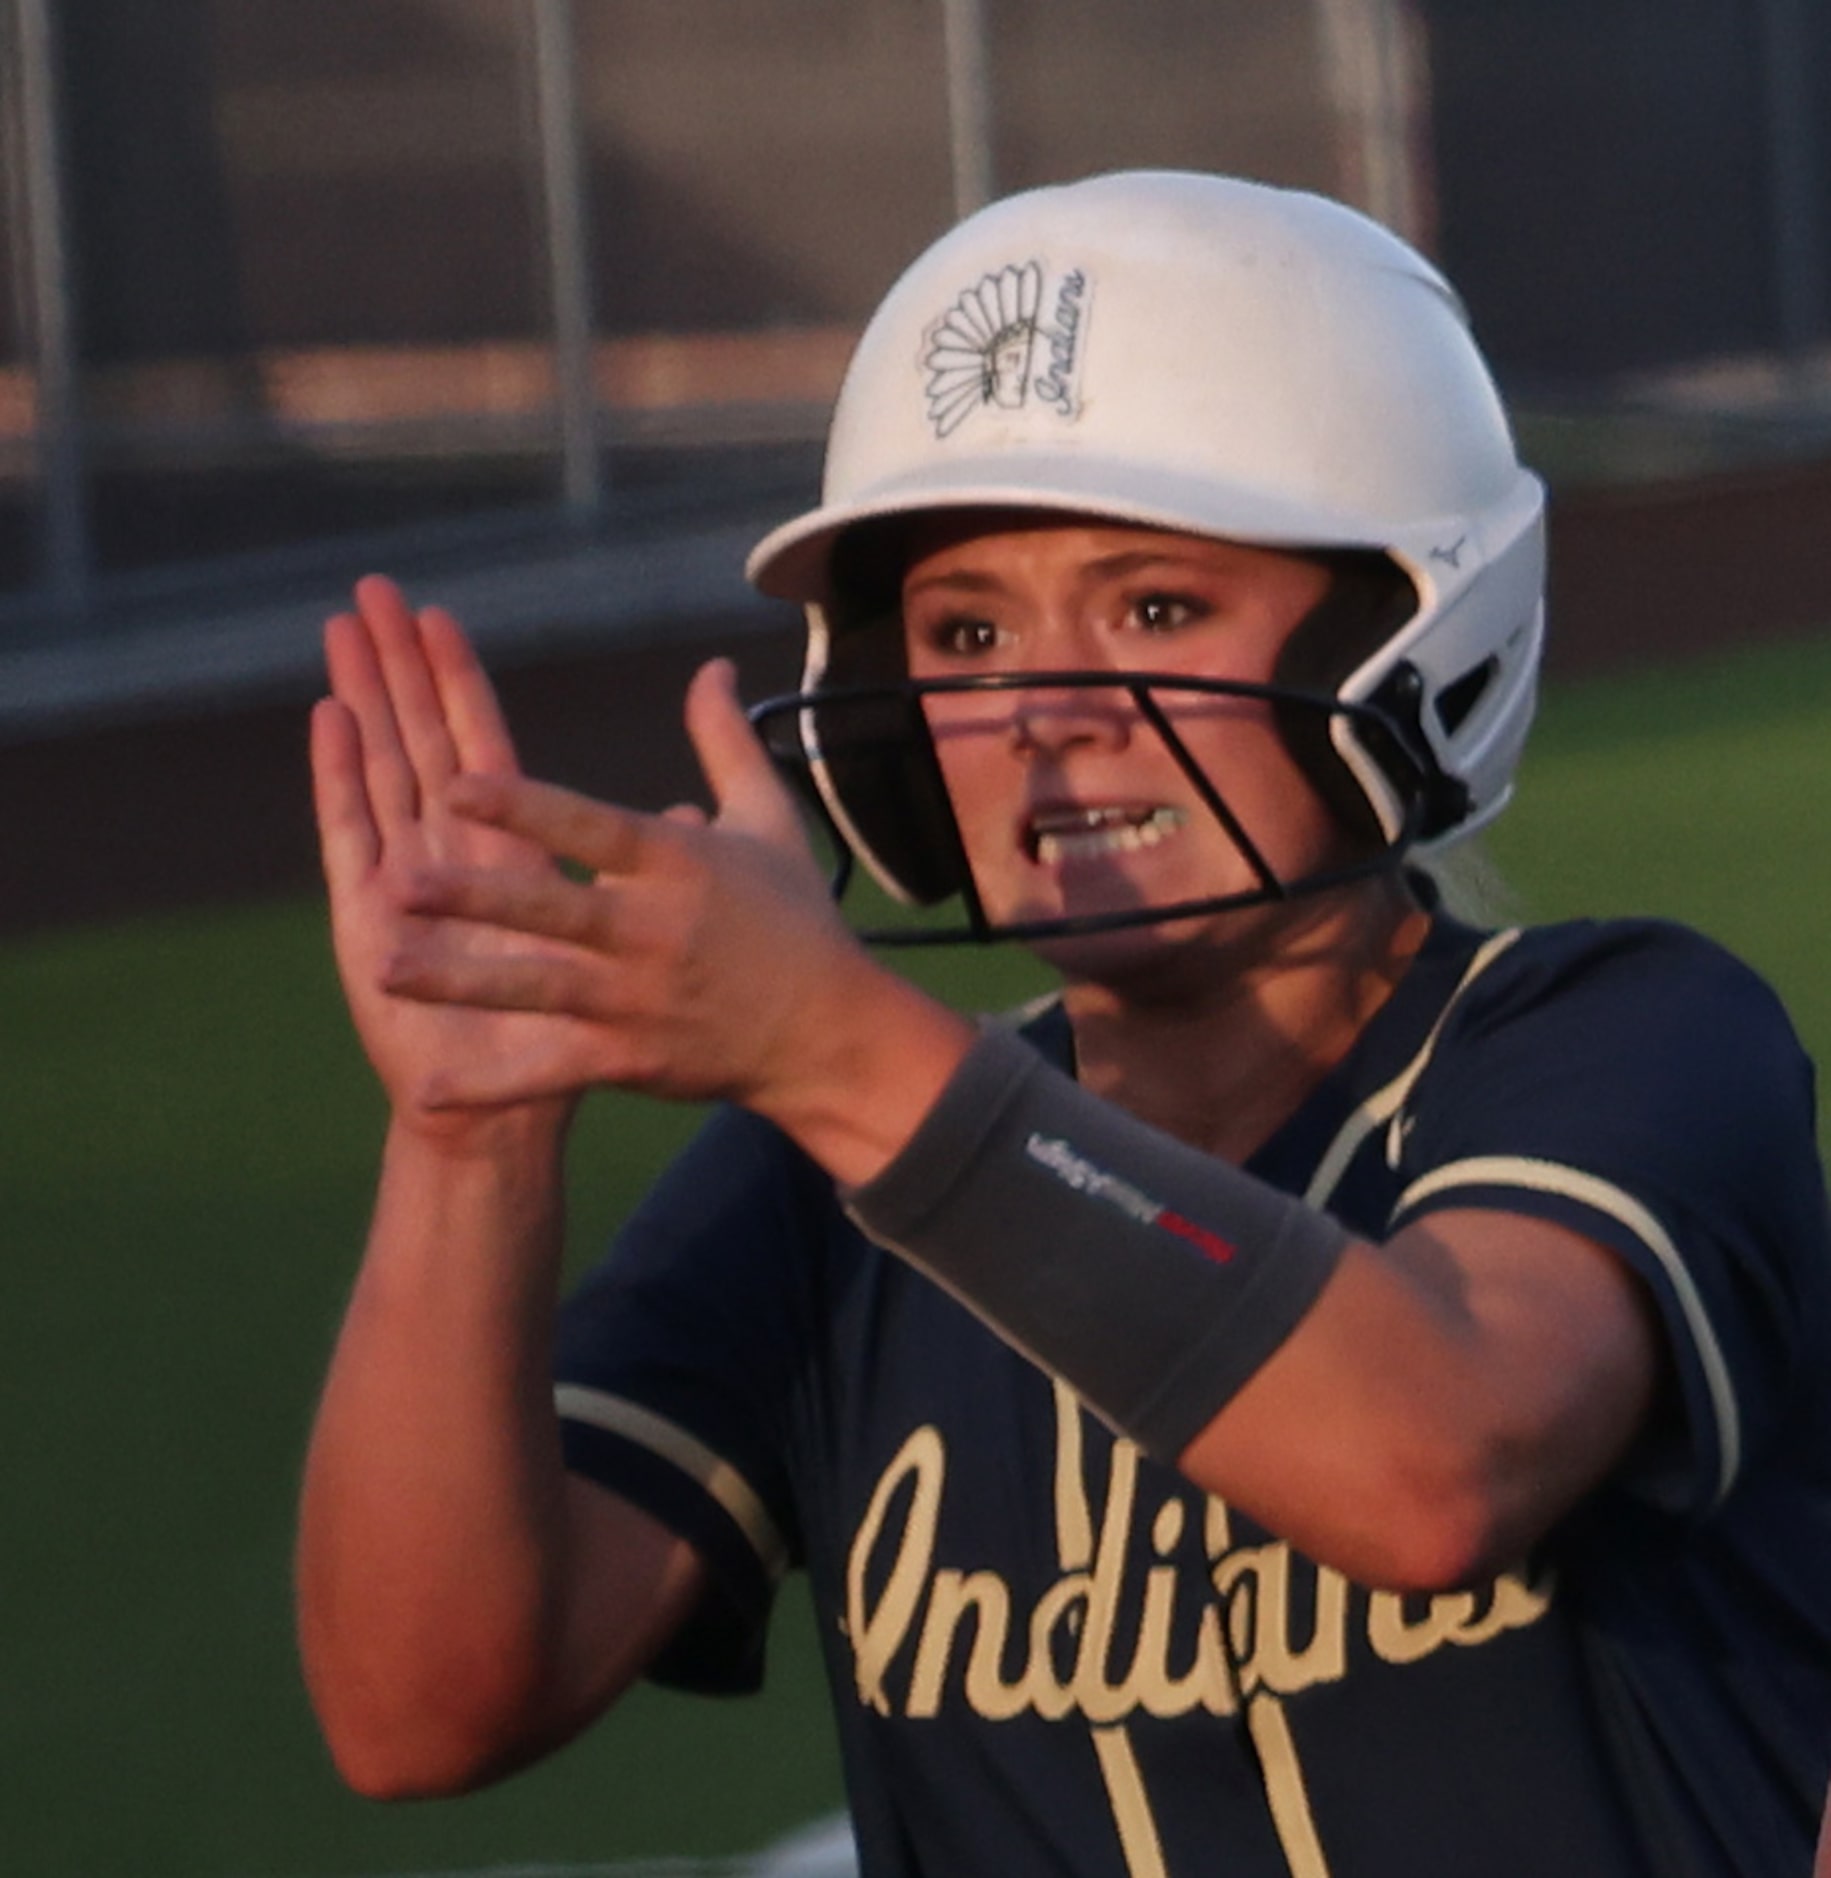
point(964, 635)
point(1166, 612)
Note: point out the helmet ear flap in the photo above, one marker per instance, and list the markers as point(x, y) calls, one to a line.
point(871, 757)
point(874, 763)
point(1369, 599)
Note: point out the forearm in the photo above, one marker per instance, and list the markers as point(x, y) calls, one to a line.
point(432, 1526)
point(1414, 1414)
point(877, 1054)
point(1152, 1278)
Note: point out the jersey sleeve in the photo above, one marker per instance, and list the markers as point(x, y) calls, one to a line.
point(1639, 1085)
point(675, 1372)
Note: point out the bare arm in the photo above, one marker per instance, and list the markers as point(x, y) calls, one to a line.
point(463, 1604)
point(1442, 1403)
point(1448, 1398)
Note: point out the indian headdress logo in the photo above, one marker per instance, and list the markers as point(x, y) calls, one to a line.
point(994, 348)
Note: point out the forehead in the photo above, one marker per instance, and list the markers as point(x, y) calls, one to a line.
point(999, 542)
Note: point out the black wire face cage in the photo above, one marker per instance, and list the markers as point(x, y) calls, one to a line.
point(863, 760)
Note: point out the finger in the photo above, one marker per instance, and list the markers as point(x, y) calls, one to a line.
point(750, 795)
point(545, 905)
point(569, 826)
point(473, 714)
point(559, 1067)
point(348, 840)
point(533, 1076)
point(400, 652)
point(547, 983)
point(357, 684)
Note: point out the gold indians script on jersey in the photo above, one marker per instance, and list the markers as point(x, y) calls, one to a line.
point(966, 1627)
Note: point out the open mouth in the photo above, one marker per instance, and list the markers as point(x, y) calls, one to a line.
point(1056, 835)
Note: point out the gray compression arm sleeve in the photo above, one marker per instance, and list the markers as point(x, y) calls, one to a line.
point(1150, 1277)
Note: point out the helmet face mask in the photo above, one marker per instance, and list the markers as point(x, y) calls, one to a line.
point(1206, 356)
point(863, 757)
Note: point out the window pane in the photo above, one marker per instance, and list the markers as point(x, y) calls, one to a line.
point(755, 189)
point(1080, 86)
point(309, 258)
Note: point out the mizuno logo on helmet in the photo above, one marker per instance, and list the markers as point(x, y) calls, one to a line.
point(993, 348)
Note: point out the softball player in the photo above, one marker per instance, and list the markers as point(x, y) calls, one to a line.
point(1334, 1391)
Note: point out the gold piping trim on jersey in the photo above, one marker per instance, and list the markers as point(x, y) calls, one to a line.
point(617, 1415)
point(1138, 1840)
point(1074, 1520)
point(1504, 1170)
point(1130, 1804)
point(1285, 1790)
point(1029, 1011)
point(1380, 1107)
point(1281, 1770)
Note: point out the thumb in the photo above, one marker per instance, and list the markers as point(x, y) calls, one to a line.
point(751, 797)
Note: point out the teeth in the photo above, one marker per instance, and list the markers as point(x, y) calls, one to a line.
point(1087, 834)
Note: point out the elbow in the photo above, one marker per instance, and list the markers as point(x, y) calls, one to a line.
point(1418, 1509)
point(1440, 1547)
point(1446, 1527)
point(375, 1773)
point(431, 1735)
point(1426, 1520)
point(388, 1764)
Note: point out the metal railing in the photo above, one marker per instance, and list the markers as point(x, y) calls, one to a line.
point(50, 312)
point(578, 397)
point(66, 583)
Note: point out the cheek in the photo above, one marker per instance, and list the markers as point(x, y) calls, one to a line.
point(971, 739)
point(1234, 741)
point(1243, 753)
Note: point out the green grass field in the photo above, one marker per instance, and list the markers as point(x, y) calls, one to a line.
point(190, 1137)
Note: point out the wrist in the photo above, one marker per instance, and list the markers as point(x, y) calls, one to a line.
point(523, 1131)
point(884, 1057)
point(470, 1220)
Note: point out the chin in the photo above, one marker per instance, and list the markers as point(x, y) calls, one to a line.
point(1170, 959)
point(1158, 957)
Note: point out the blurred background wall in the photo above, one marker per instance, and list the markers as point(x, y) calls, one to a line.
point(534, 284)
point(541, 304)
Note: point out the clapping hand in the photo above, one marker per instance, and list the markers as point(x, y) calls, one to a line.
point(680, 954)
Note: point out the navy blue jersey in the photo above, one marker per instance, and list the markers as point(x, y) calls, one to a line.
point(1049, 1654)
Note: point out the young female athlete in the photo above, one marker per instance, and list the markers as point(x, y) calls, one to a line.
point(1334, 1391)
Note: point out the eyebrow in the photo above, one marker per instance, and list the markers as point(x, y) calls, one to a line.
point(962, 581)
point(1107, 567)
point(1134, 560)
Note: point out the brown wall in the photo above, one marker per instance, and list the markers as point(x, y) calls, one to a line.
point(1636, 575)
point(257, 173)
point(251, 173)
point(1604, 177)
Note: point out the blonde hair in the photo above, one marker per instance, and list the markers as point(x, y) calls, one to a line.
point(1470, 886)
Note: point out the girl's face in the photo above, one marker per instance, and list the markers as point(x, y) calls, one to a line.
point(1068, 800)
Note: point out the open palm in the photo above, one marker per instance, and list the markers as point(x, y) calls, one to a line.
point(410, 711)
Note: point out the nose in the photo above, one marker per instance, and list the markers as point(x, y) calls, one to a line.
point(1050, 720)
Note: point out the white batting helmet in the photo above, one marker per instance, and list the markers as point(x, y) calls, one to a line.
point(1220, 357)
